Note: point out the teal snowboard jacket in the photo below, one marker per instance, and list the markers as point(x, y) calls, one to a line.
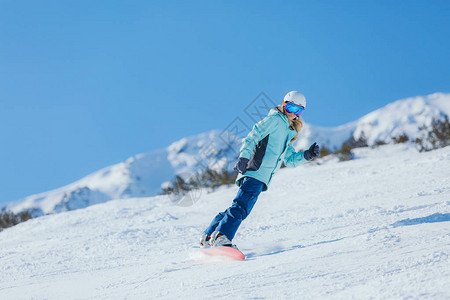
point(267, 146)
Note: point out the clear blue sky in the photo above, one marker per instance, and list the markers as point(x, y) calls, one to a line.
point(86, 84)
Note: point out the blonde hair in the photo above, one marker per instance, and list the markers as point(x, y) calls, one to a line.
point(297, 124)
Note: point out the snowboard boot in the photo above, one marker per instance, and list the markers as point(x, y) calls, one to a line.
point(218, 239)
point(204, 241)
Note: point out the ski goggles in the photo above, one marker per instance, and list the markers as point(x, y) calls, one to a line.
point(292, 108)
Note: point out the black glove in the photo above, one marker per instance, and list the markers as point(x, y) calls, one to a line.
point(312, 152)
point(241, 165)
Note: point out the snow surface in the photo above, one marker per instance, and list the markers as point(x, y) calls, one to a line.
point(374, 227)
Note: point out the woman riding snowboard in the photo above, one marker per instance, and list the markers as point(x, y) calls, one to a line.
point(261, 155)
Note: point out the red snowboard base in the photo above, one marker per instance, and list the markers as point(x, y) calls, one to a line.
point(224, 252)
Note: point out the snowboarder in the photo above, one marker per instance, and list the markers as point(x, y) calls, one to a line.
point(261, 155)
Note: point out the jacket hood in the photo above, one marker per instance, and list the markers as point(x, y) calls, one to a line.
point(275, 110)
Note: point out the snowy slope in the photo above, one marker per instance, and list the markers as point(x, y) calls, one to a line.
point(140, 175)
point(404, 116)
point(375, 227)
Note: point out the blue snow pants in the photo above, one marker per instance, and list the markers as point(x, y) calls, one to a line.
point(228, 222)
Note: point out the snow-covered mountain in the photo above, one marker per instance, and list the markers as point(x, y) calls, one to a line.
point(372, 228)
point(139, 176)
point(404, 116)
point(144, 175)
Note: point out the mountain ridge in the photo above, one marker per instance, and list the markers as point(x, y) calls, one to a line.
point(382, 124)
point(146, 174)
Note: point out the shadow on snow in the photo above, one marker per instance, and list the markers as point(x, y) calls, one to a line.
point(434, 218)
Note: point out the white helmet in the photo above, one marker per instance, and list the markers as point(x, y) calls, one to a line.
point(296, 98)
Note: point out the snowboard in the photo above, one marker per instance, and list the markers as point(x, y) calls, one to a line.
point(226, 252)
